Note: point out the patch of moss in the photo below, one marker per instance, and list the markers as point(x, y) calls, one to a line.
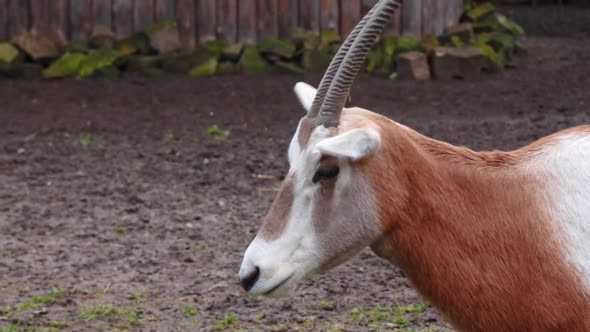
point(40, 300)
point(109, 312)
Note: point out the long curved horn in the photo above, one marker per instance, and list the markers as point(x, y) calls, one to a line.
point(335, 64)
point(339, 89)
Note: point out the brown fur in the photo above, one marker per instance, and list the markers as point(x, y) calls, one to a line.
point(468, 230)
point(277, 217)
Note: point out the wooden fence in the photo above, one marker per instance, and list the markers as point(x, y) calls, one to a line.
point(200, 20)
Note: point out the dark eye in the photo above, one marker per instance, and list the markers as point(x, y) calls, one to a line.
point(325, 173)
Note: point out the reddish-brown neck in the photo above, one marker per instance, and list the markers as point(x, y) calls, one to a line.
point(471, 233)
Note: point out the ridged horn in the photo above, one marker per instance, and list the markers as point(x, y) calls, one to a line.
point(335, 99)
point(335, 64)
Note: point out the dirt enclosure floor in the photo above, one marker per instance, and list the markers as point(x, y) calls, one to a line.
point(118, 211)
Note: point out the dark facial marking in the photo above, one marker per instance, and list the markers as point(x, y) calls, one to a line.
point(276, 219)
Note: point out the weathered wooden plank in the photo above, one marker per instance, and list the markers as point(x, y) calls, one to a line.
point(101, 13)
point(227, 26)
point(268, 20)
point(350, 15)
point(143, 13)
point(366, 5)
point(429, 13)
point(165, 9)
point(58, 21)
point(288, 17)
point(412, 18)
point(395, 24)
point(453, 12)
point(18, 16)
point(309, 15)
point(3, 20)
point(80, 19)
point(122, 18)
point(185, 17)
point(247, 31)
point(207, 20)
point(40, 17)
point(439, 18)
point(329, 13)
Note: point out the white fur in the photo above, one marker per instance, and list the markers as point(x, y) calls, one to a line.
point(305, 93)
point(294, 148)
point(566, 168)
point(355, 144)
point(295, 254)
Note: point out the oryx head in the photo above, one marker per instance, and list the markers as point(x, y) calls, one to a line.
point(324, 211)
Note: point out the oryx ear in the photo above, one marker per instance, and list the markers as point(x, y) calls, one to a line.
point(305, 93)
point(355, 144)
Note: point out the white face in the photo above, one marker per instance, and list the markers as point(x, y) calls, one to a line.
point(322, 215)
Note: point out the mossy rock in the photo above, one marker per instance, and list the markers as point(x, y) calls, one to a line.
point(232, 53)
point(330, 49)
point(329, 37)
point(10, 70)
point(148, 65)
point(492, 47)
point(509, 26)
point(389, 48)
point(289, 66)
point(275, 49)
point(406, 44)
point(305, 39)
point(481, 11)
point(152, 72)
point(226, 67)
point(20, 70)
point(109, 72)
point(164, 36)
point(67, 65)
point(462, 32)
point(489, 24)
point(315, 61)
point(374, 59)
point(76, 46)
point(138, 43)
point(502, 42)
point(142, 63)
point(125, 46)
point(429, 43)
point(8, 53)
point(101, 42)
point(451, 63)
point(31, 71)
point(185, 61)
point(97, 60)
point(207, 68)
point(38, 48)
point(495, 60)
point(252, 61)
point(213, 47)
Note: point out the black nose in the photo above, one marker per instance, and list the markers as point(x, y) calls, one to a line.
point(250, 278)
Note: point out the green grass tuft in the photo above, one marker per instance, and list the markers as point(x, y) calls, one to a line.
point(188, 310)
point(40, 300)
point(217, 133)
point(109, 312)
